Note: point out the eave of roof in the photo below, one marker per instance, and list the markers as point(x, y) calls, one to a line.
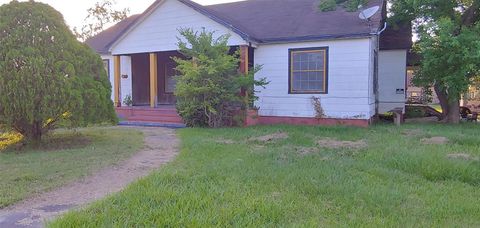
point(100, 41)
point(315, 38)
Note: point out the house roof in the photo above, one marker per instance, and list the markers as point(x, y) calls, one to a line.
point(397, 37)
point(102, 41)
point(265, 21)
point(294, 20)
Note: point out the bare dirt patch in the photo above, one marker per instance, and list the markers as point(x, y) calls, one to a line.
point(412, 132)
point(306, 150)
point(271, 137)
point(437, 140)
point(161, 146)
point(225, 141)
point(463, 156)
point(337, 144)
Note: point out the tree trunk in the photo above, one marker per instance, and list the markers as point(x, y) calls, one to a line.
point(443, 98)
point(36, 133)
point(450, 109)
point(453, 115)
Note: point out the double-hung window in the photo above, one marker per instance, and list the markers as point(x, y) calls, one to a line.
point(308, 71)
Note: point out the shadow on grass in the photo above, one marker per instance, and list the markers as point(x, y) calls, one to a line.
point(15, 143)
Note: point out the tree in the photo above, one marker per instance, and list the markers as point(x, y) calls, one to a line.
point(209, 83)
point(46, 75)
point(100, 16)
point(448, 43)
point(349, 5)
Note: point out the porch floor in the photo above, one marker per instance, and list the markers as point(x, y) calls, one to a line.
point(161, 116)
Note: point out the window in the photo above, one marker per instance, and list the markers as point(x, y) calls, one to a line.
point(170, 73)
point(308, 70)
point(106, 65)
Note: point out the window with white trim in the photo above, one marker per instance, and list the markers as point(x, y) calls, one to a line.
point(308, 70)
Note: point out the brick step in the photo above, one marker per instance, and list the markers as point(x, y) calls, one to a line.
point(168, 119)
point(152, 124)
point(160, 108)
point(155, 113)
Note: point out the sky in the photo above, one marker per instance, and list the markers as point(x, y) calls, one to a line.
point(74, 11)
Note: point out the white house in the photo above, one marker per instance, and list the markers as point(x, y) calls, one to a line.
point(355, 67)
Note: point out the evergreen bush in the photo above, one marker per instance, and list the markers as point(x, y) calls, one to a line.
point(46, 75)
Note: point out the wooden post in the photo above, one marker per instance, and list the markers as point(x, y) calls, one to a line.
point(153, 80)
point(244, 69)
point(116, 81)
point(244, 59)
point(398, 116)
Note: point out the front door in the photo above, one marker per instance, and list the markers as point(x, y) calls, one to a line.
point(140, 79)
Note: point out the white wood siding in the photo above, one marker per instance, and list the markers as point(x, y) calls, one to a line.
point(159, 31)
point(125, 69)
point(392, 70)
point(349, 76)
point(110, 70)
point(125, 83)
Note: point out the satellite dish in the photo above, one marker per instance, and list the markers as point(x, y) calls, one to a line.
point(368, 13)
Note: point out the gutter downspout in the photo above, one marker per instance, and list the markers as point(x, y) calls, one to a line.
point(376, 70)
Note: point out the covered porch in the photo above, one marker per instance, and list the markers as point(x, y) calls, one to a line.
point(150, 83)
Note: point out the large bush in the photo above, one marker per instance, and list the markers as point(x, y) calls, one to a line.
point(209, 85)
point(46, 75)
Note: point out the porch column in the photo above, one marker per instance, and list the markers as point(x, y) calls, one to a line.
point(244, 69)
point(244, 65)
point(116, 81)
point(244, 59)
point(153, 80)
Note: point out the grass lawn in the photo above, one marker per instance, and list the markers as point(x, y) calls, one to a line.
point(65, 157)
point(223, 178)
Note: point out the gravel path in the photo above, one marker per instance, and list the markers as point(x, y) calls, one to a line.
point(161, 146)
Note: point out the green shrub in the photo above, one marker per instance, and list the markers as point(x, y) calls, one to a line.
point(46, 75)
point(208, 87)
point(328, 5)
point(353, 5)
point(349, 5)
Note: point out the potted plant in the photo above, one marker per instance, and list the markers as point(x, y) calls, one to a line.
point(128, 101)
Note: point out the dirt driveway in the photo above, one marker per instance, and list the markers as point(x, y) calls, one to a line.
point(161, 146)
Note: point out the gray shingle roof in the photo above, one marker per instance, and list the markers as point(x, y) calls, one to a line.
point(397, 37)
point(294, 20)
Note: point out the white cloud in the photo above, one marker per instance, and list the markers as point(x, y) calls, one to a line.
point(75, 11)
